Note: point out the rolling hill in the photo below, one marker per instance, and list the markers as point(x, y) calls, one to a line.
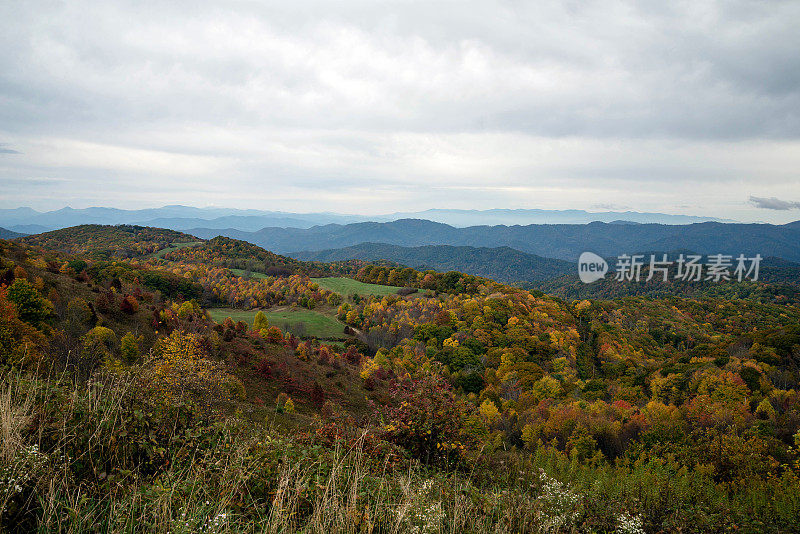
point(234, 254)
point(778, 281)
point(680, 408)
point(9, 234)
point(109, 242)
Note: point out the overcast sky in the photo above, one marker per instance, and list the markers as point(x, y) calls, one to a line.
point(373, 107)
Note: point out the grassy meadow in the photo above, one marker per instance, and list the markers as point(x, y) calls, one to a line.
point(348, 286)
point(175, 246)
point(244, 274)
point(300, 320)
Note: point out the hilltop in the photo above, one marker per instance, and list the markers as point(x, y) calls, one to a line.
point(235, 254)
point(8, 234)
point(120, 241)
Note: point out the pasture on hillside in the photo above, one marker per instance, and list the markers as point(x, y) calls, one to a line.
point(174, 246)
point(299, 321)
point(348, 286)
point(244, 274)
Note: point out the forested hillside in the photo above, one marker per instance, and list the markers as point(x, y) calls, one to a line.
point(8, 234)
point(503, 264)
point(454, 403)
point(122, 241)
point(778, 282)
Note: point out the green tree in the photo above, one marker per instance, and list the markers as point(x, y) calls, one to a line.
point(20, 343)
point(32, 307)
point(129, 347)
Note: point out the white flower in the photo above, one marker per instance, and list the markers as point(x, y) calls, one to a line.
point(630, 524)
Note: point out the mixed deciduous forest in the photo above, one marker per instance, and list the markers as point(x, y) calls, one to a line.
point(447, 403)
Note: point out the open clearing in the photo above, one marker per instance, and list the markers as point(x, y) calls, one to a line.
point(300, 321)
point(242, 273)
point(174, 246)
point(348, 286)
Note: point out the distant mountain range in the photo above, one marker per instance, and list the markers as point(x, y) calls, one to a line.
point(464, 218)
point(562, 241)
point(171, 217)
point(182, 218)
point(508, 253)
point(503, 264)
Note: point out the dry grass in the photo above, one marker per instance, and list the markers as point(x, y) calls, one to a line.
point(201, 494)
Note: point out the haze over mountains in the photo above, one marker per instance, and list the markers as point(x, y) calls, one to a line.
point(504, 252)
point(27, 220)
point(559, 241)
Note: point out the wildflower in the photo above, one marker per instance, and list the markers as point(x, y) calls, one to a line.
point(630, 524)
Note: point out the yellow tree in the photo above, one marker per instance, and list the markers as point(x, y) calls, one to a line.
point(179, 374)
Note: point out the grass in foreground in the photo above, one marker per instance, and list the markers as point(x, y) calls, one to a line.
point(89, 459)
point(348, 286)
point(300, 321)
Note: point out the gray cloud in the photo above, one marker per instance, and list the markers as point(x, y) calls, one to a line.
point(5, 150)
point(554, 104)
point(715, 70)
point(773, 203)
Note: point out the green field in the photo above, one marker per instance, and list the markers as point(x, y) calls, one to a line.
point(348, 286)
point(174, 246)
point(300, 321)
point(242, 273)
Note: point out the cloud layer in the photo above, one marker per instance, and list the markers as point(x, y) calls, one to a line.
point(685, 107)
point(773, 203)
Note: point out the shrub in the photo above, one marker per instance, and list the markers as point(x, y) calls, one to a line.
point(129, 347)
point(129, 305)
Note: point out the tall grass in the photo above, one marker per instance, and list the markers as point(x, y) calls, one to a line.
point(81, 458)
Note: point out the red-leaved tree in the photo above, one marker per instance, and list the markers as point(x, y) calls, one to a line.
point(427, 419)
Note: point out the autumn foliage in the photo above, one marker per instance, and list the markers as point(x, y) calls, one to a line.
point(427, 418)
point(180, 374)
